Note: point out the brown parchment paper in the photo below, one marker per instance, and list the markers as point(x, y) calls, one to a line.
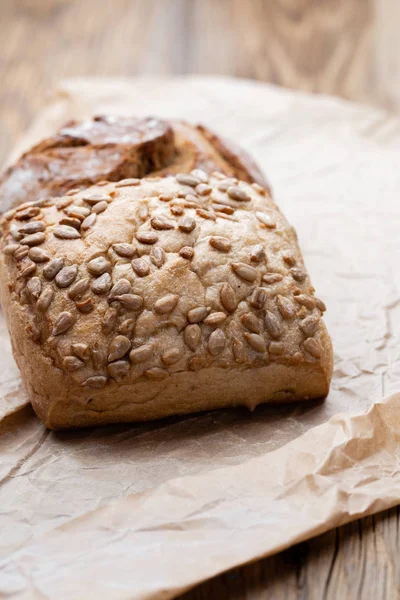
point(148, 511)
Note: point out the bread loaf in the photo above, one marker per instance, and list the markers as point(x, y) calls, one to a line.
point(166, 295)
point(113, 148)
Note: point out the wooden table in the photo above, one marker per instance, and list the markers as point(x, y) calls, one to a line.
point(344, 47)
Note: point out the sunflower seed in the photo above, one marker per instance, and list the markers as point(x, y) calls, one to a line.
point(200, 174)
point(224, 185)
point(85, 306)
point(77, 212)
point(244, 271)
point(171, 356)
point(215, 319)
point(72, 363)
point(228, 297)
point(141, 354)
point(257, 253)
point(53, 267)
point(127, 182)
point(286, 307)
point(276, 348)
point(192, 336)
point(161, 223)
point(94, 198)
point(220, 243)
point(271, 278)
point(89, 222)
point(258, 298)
point(34, 239)
point(66, 276)
point(320, 304)
point(10, 249)
point(143, 212)
point(45, 300)
point(109, 321)
point(28, 213)
point(81, 350)
point(265, 220)
point(157, 256)
point(166, 304)
point(255, 341)
point(33, 331)
point(21, 252)
point(250, 321)
point(96, 382)
point(121, 287)
point(71, 222)
point(79, 288)
point(64, 321)
point(156, 374)
point(237, 194)
point(141, 267)
point(32, 227)
point(16, 235)
point(98, 357)
point(289, 258)
point(258, 189)
point(313, 347)
point(216, 342)
point(125, 250)
point(187, 224)
point(100, 207)
point(165, 197)
point(64, 202)
point(186, 252)
point(38, 255)
point(146, 237)
point(102, 284)
point(272, 325)
point(222, 208)
point(65, 232)
point(203, 189)
point(239, 351)
point(118, 370)
point(27, 270)
point(119, 346)
point(307, 301)
point(127, 327)
point(177, 210)
point(205, 214)
point(8, 215)
point(186, 179)
point(98, 266)
point(298, 275)
point(34, 286)
point(197, 314)
point(130, 301)
point(309, 325)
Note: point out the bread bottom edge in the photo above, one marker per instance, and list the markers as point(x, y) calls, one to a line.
point(183, 393)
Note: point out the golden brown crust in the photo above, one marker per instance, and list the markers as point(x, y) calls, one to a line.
point(146, 298)
point(114, 148)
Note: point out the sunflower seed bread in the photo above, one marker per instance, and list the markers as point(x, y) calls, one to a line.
point(145, 298)
point(113, 148)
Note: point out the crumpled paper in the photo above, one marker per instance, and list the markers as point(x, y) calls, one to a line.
point(147, 511)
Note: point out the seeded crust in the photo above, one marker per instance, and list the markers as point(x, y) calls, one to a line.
point(110, 148)
point(160, 296)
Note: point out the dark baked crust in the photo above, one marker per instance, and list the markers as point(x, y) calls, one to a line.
point(109, 148)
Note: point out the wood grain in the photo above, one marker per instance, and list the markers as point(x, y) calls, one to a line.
point(345, 47)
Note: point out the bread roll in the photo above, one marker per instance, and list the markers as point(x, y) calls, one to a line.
point(146, 298)
point(113, 148)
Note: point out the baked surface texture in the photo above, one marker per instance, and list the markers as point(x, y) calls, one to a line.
point(145, 298)
point(111, 148)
